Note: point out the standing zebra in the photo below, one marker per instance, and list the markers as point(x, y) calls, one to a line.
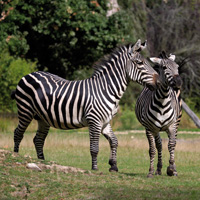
point(92, 102)
point(160, 110)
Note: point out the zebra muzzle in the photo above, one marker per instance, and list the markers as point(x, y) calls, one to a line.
point(176, 82)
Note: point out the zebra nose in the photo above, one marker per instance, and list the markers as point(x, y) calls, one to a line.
point(176, 82)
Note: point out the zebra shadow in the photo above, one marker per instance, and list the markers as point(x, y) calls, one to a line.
point(130, 174)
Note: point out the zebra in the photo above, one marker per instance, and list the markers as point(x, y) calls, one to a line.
point(92, 102)
point(160, 110)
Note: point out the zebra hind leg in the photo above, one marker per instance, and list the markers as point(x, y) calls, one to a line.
point(19, 131)
point(158, 142)
point(39, 139)
point(152, 153)
point(112, 139)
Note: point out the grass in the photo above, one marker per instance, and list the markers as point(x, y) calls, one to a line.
point(72, 149)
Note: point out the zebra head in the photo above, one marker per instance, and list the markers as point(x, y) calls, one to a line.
point(139, 69)
point(170, 70)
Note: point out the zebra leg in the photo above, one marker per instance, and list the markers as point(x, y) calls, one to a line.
point(94, 131)
point(152, 152)
point(158, 142)
point(43, 129)
point(24, 121)
point(112, 139)
point(171, 169)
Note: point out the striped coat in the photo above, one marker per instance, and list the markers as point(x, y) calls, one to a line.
point(92, 102)
point(160, 110)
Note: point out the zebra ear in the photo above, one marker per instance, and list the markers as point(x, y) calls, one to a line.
point(172, 57)
point(156, 60)
point(144, 45)
point(137, 45)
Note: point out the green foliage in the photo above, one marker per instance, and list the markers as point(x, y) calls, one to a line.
point(64, 36)
point(11, 71)
point(4, 125)
point(128, 118)
point(137, 17)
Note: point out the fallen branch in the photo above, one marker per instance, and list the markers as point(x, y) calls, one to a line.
point(191, 114)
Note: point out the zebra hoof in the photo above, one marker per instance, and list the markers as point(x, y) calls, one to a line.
point(158, 172)
point(171, 171)
point(41, 157)
point(113, 169)
point(16, 150)
point(150, 175)
point(95, 168)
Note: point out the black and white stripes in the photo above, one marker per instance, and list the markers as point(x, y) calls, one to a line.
point(160, 110)
point(92, 102)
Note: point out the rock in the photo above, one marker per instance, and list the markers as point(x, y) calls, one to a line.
point(33, 166)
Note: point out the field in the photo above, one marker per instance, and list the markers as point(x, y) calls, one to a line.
point(70, 148)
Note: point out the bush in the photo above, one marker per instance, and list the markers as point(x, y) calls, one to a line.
point(11, 71)
point(128, 118)
point(64, 36)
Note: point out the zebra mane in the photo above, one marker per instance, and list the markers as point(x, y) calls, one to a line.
point(156, 67)
point(107, 58)
point(163, 55)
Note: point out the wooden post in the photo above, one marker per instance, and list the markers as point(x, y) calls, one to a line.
point(191, 114)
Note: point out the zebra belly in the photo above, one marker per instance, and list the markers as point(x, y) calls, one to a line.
point(66, 122)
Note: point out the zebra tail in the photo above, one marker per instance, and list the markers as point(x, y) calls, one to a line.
point(13, 94)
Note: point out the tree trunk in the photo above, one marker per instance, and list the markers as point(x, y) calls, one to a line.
point(191, 114)
point(114, 7)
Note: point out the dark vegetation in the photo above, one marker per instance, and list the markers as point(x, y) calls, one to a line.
point(67, 37)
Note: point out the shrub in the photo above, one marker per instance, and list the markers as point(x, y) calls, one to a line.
point(11, 71)
point(63, 36)
point(128, 118)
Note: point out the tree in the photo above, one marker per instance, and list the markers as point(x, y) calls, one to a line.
point(63, 36)
point(174, 26)
point(11, 71)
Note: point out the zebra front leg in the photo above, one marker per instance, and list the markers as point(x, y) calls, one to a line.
point(158, 142)
point(152, 153)
point(39, 139)
point(171, 169)
point(94, 131)
point(112, 139)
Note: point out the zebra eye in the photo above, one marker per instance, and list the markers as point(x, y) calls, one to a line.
point(130, 54)
point(164, 67)
point(139, 62)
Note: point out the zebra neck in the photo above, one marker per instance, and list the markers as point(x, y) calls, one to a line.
point(112, 75)
point(110, 84)
point(162, 93)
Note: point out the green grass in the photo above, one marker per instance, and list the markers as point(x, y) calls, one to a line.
point(72, 149)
